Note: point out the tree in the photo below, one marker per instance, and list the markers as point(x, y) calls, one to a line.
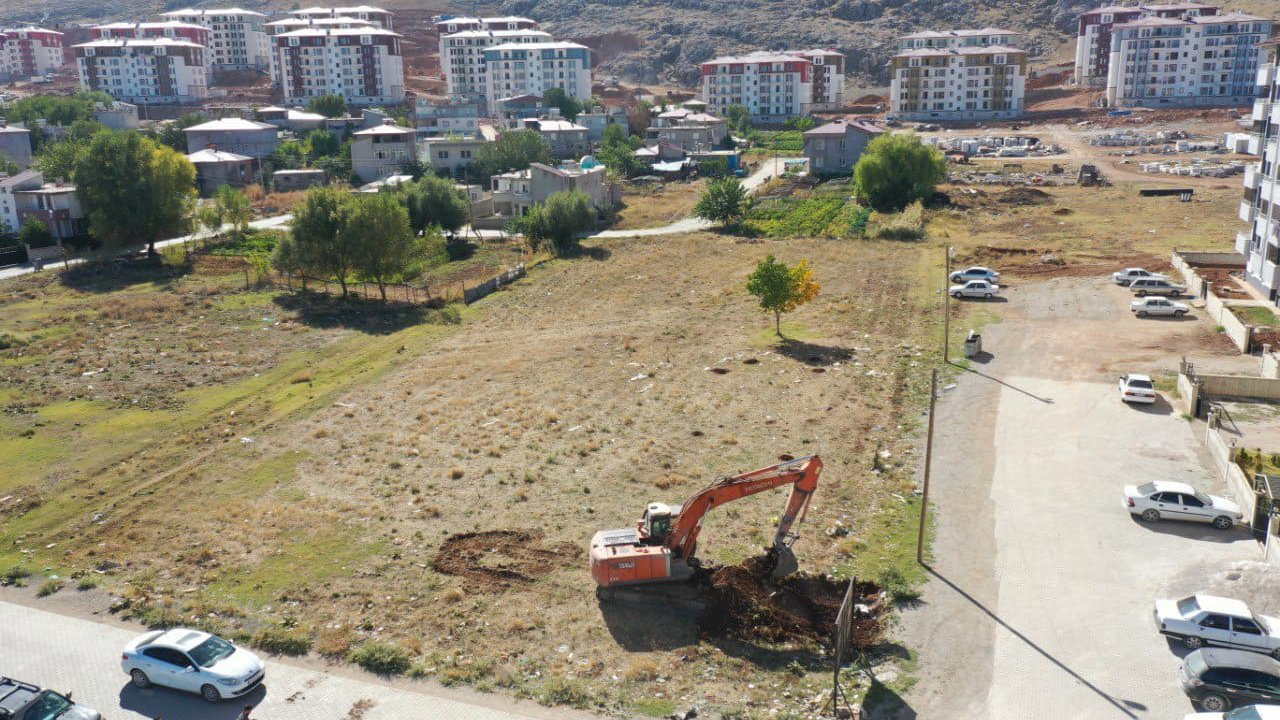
point(434, 201)
point(377, 229)
point(328, 105)
point(617, 152)
point(321, 142)
point(782, 289)
point(723, 201)
point(58, 160)
point(557, 98)
point(515, 150)
point(803, 123)
point(897, 170)
point(35, 234)
point(233, 207)
point(739, 118)
point(170, 194)
point(173, 132)
point(559, 221)
point(319, 245)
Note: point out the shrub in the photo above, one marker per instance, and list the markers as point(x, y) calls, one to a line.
point(281, 641)
point(563, 691)
point(334, 642)
point(15, 576)
point(642, 670)
point(381, 658)
point(86, 583)
point(48, 587)
point(907, 225)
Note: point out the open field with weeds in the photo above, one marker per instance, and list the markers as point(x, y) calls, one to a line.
point(649, 205)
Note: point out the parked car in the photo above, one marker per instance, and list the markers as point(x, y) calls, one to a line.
point(1158, 307)
point(1143, 287)
point(975, 273)
point(1248, 712)
point(193, 661)
point(1218, 680)
point(1200, 620)
point(1128, 275)
point(975, 289)
point(24, 701)
point(1162, 500)
point(1135, 388)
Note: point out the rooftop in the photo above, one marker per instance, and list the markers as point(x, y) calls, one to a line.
point(971, 50)
point(538, 46)
point(139, 42)
point(211, 155)
point(338, 31)
point(1226, 18)
point(840, 127)
point(557, 126)
point(311, 22)
point(338, 10)
point(149, 25)
point(386, 130)
point(21, 178)
point(983, 32)
point(213, 11)
point(753, 57)
point(226, 124)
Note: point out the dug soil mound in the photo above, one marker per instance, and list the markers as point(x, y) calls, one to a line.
point(1023, 196)
point(499, 560)
point(745, 603)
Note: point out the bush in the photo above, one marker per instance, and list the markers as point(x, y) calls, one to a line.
point(48, 587)
point(86, 583)
point(898, 170)
point(563, 691)
point(15, 576)
point(10, 341)
point(281, 641)
point(381, 658)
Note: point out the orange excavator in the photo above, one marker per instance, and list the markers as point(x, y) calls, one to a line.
point(661, 546)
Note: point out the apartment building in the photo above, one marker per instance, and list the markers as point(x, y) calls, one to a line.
point(364, 65)
point(774, 87)
point(533, 68)
point(29, 51)
point(961, 75)
point(384, 19)
point(828, 78)
point(146, 71)
point(462, 56)
point(1201, 60)
point(1094, 28)
point(289, 24)
point(177, 29)
point(449, 25)
point(451, 116)
point(1259, 243)
point(238, 39)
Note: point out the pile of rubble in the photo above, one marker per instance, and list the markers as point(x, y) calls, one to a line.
point(982, 177)
point(995, 146)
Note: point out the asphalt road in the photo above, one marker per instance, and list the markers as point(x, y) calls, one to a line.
point(82, 656)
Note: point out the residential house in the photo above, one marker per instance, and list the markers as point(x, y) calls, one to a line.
point(9, 184)
point(215, 168)
point(691, 131)
point(566, 139)
point(661, 153)
point(597, 120)
point(382, 151)
point(453, 155)
point(511, 112)
point(15, 143)
point(533, 68)
point(515, 192)
point(289, 180)
point(58, 207)
point(146, 71)
point(963, 75)
point(1094, 30)
point(454, 116)
point(117, 115)
point(774, 87)
point(236, 135)
point(834, 148)
point(239, 40)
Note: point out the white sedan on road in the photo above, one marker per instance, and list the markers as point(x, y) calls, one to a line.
point(193, 661)
point(1135, 388)
point(1248, 712)
point(1158, 307)
point(976, 272)
point(1200, 620)
point(974, 289)
point(1128, 275)
point(1161, 500)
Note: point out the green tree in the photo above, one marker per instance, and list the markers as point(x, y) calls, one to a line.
point(131, 189)
point(780, 288)
point(173, 132)
point(617, 152)
point(328, 105)
point(739, 118)
point(322, 143)
point(559, 221)
point(319, 245)
point(234, 207)
point(802, 123)
point(515, 150)
point(58, 160)
point(897, 170)
point(171, 194)
point(377, 229)
point(35, 233)
point(723, 201)
point(556, 97)
point(8, 166)
point(434, 201)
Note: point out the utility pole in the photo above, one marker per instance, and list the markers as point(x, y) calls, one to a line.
point(946, 312)
point(928, 464)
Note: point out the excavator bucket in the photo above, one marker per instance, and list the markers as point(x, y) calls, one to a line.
point(784, 562)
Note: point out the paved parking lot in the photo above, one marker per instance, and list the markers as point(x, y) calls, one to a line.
point(1041, 600)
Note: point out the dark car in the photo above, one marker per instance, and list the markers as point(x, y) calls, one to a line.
point(23, 701)
point(1218, 680)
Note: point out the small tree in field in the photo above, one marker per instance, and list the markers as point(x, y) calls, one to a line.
point(897, 170)
point(781, 288)
point(724, 201)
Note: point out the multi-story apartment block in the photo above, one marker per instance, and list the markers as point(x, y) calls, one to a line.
point(1259, 243)
point(960, 75)
point(239, 40)
point(450, 25)
point(364, 65)
point(382, 18)
point(177, 29)
point(453, 116)
point(828, 78)
point(462, 56)
point(772, 86)
point(29, 51)
point(147, 71)
point(1093, 35)
point(1202, 60)
point(289, 24)
point(533, 68)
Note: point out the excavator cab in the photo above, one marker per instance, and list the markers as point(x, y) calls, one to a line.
point(658, 518)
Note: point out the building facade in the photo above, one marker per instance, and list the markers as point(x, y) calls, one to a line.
point(514, 193)
point(238, 39)
point(960, 75)
point(453, 155)
point(1259, 242)
point(176, 29)
point(1094, 29)
point(29, 51)
point(383, 151)
point(384, 19)
point(462, 56)
point(455, 116)
point(828, 78)
point(533, 68)
point(834, 148)
point(1203, 60)
point(215, 168)
point(289, 24)
point(774, 87)
point(364, 65)
point(448, 25)
point(9, 184)
point(234, 135)
point(57, 206)
point(15, 143)
point(149, 71)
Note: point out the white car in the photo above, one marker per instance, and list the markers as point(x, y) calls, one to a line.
point(1135, 388)
point(1248, 712)
point(975, 273)
point(1158, 307)
point(1161, 500)
point(1200, 620)
point(974, 289)
point(193, 661)
point(1128, 275)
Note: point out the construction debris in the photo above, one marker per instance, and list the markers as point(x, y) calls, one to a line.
point(1195, 168)
point(995, 146)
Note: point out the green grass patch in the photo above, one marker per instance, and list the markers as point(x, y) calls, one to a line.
point(766, 337)
point(260, 242)
point(885, 548)
point(1257, 461)
point(808, 217)
point(1254, 315)
point(655, 707)
point(308, 563)
point(381, 658)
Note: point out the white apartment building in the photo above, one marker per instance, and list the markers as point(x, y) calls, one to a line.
point(176, 29)
point(1093, 35)
point(382, 18)
point(958, 75)
point(450, 25)
point(462, 56)
point(29, 51)
point(289, 24)
point(533, 68)
point(1259, 243)
point(239, 40)
point(146, 71)
point(1203, 60)
point(364, 65)
point(772, 86)
point(828, 78)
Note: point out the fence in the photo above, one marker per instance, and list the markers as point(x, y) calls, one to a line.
point(470, 295)
point(403, 292)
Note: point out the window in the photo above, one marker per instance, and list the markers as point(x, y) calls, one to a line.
point(1215, 622)
point(1246, 626)
point(1192, 501)
point(167, 655)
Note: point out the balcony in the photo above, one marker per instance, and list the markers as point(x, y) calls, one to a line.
point(1275, 113)
point(1266, 74)
point(1246, 211)
point(1255, 145)
point(1242, 243)
point(1259, 110)
point(1252, 172)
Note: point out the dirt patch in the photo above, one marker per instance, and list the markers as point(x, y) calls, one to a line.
point(745, 603)
point(498, 560)
point(1024, 196)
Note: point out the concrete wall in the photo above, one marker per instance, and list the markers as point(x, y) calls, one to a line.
point(1238, 486)
point(1270, 363)
point(1241, 335)
point(1236, 386)
point(1189, 392)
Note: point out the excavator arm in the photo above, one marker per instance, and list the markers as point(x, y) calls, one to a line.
point(801, 473)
